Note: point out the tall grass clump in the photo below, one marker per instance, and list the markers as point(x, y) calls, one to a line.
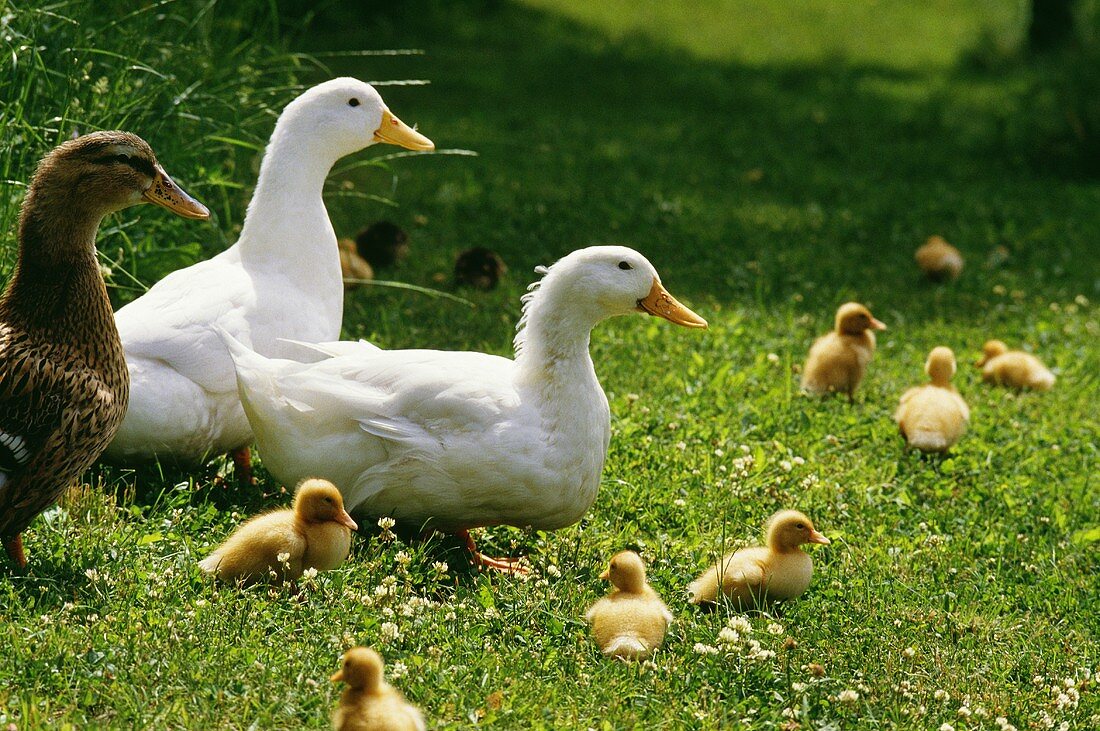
point(200, 80)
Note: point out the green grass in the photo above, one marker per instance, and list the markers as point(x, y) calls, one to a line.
point(767, 183)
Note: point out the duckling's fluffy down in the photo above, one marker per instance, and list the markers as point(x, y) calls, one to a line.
point(931, 418)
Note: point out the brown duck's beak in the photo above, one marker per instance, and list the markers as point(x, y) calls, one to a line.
point(818, 537)
point(165, 192)
point(662, 304)
point(606, 575)
point(877, 324)
point(337, 676)
point(395, 132)
point(344, 519)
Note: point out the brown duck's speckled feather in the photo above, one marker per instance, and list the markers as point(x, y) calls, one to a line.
point(63, 380)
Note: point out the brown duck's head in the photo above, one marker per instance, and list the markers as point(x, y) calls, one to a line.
point(626, 572)
point(103, 172)
point(318, 501)
point(789, 529)
point(853, 318)
point(360, 668)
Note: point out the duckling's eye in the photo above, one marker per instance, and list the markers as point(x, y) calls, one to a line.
point(353, 102)
point(328, 500)
point(802, 526)
point(625, 266)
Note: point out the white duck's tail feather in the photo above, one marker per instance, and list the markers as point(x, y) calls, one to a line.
point(336, 348)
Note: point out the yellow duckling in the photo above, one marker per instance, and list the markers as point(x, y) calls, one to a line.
point(315, 533)
point(353, 266)
point(934, 416)
point(630, 622)
point(838, 360)
point(939, 260)
point(1013, 368)
point(370, 703)
point(755, 576)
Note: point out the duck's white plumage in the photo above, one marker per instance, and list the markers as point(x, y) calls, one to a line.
point(459, 439)
point(280, 280)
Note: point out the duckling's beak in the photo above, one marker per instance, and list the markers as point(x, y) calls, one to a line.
point(165, 192)
point(395, 132)
point(819, 537)
point(662, 304)
point(337, 676)
point(606, 575)
point(344, 519)
point(877, 324)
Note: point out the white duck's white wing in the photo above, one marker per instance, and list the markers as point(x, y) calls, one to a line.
point(171, 323)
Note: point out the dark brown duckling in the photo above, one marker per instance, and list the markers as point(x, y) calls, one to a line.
point(383, 244)
point(63, 379)
point(479, 268)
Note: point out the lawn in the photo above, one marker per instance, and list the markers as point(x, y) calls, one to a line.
point(771, 165)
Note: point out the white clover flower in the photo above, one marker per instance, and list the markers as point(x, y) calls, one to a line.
point(390, 631)
point(773, 357)
point(440, 567)
point(909, 652)
point(847, 696)
point(729, 636)
point(679, 502)
point(785, 465)
point(283, 557)
point(719, 452)
point(740, 624)
point(309, 574)
point(946, 727)
point(402, 558)
point(681, 446)
point(385, 523)
point(941, 695)
point(798, 687)
point(701, 649)
point(398, 669)
point(774, 628)
point(554, 571)
point(92, 574)
point(963, 712)
point(450, 616)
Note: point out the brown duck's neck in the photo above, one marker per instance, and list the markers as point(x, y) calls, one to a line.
point(57, 291)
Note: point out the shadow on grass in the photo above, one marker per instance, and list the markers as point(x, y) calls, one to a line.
point(737, 181)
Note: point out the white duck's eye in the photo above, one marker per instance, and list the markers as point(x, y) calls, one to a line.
point(625, 266)
point(353, 102)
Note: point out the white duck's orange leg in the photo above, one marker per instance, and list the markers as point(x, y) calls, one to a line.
point(504, 565)
point(242, 466)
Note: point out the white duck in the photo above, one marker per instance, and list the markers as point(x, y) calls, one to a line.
point(456, 440)
point(281, 279)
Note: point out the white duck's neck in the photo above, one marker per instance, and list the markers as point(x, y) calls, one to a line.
point(287, 221)
point(552, 349)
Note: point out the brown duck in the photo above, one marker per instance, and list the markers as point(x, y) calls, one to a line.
point(63, 380)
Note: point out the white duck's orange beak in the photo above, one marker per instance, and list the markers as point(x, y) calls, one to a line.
point(660, 303)
point(395, 132)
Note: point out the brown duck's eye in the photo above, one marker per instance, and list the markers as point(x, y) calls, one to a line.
point(353, 102)
point(625, 266)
